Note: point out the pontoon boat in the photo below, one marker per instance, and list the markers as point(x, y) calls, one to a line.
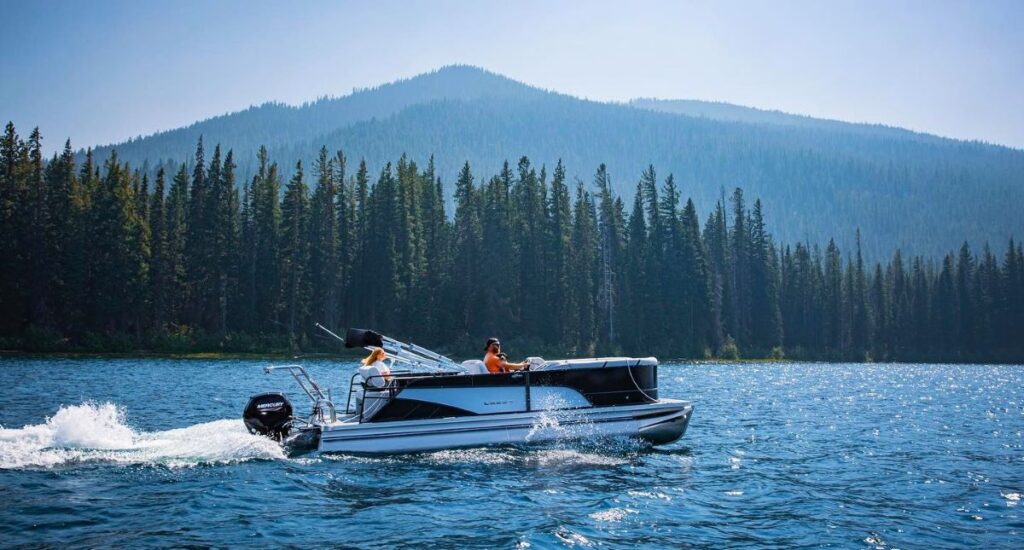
point(435, 403)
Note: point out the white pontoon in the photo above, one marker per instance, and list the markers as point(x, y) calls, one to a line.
point(439, 404)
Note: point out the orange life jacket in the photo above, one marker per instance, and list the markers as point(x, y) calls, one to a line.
point(493, 363)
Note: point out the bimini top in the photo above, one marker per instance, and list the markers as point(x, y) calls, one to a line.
point(596, 362)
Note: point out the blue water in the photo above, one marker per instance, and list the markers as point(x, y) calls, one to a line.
point(151, 452)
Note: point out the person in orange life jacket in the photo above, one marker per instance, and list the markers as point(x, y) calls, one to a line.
point(496, 362)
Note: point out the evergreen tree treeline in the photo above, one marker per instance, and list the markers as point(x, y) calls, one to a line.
point(104, 258)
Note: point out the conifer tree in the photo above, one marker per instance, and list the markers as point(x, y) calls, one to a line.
point(765, 315)
point(36, 254)
point(324, 262)
point(345, 208)
point(860, 329)
point(716, 239)
point(62, 190)
point(560, 264)
point(903, 303)
point(987, 295)
point(500, 276)
point(634, 334)
point(696, 307)
point(295, 254)
point(246, 266)
point(122, 253)
point(197, 259)
point(584, 257)
point(881, 307)
point(946, 312)
point(409, 242)
point(672, 290)
point(466, 288)
point(361, 260)
point(12, 232)
point(740, 277)
point(176, 239)
point(160, 290)
point(611, 226)
point(527, 224)
point(835, 326)
point(382, 250)
point(654, 252)
point(1012, 308)
point(266, 221)
point(212, 308)
point(437, 252)
point(965, 299)
point(226, 237)
point(921, 321)
point(81, 277)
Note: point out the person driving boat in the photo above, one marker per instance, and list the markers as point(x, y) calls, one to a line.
point(496, 362)
point(374, 372)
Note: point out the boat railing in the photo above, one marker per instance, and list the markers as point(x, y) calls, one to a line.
point(390, 386)
point(321, 399)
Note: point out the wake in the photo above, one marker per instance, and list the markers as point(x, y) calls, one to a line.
point(98, 433)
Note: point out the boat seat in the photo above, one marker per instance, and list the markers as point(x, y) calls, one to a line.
point(377, 389)
point(475, 366)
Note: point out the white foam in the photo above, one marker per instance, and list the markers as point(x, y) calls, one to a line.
point(98, 432)
point(552, 458)
point(612, 515)
point(571, 538)
point(463, 456)
point(549, 424)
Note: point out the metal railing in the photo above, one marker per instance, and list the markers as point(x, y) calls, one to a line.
point(319, 397)
point(392, 387)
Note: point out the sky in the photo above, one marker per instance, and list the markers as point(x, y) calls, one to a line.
point(102, 72)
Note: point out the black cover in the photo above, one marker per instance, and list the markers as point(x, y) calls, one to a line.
point(360, 338)
point(268, 414)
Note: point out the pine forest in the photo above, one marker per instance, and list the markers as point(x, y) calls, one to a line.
point(101, 256)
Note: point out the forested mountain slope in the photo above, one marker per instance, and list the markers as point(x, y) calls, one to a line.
point(717, 110)
point(275, 124)
point(903, 189)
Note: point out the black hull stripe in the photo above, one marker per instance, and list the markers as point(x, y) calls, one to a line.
point(326, 436)
point(376, 418)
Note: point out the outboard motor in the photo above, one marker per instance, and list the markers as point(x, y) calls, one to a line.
point(269, 414)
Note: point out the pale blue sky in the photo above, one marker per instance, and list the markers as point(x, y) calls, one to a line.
point(102, 72)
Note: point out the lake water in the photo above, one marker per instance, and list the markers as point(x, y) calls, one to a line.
point(152, 452)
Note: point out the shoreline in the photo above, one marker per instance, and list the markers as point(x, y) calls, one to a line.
point(173, 355)
point(281, 356)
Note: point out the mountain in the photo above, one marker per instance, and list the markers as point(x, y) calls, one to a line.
point(276, 124)
point(717, 110)
point(817, 178)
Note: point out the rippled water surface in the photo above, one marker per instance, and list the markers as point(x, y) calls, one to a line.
point(151, 452)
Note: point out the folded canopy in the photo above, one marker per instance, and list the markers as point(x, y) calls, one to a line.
point(360, 338)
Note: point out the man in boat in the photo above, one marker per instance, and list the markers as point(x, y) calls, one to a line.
point(496, 362)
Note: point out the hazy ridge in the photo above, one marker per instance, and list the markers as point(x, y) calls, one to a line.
point(821, 178)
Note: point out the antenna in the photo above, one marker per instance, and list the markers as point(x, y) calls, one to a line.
point(328, 331)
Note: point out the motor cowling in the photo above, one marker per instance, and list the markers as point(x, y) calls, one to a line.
point(268, 414)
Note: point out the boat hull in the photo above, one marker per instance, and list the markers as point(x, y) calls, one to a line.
point(660, 422)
